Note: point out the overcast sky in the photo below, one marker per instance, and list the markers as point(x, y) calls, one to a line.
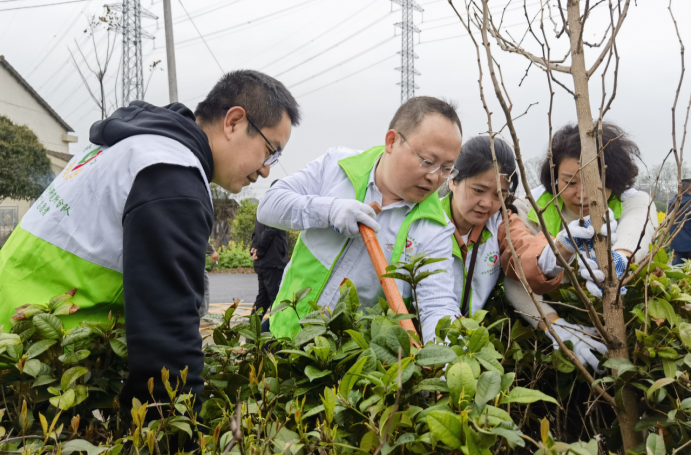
point(338, 59)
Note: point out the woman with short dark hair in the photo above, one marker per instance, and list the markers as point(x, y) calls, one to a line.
point(629, 207)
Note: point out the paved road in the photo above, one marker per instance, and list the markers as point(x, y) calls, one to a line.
point(224, 287)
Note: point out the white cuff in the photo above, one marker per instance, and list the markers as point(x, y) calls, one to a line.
point(548, 263)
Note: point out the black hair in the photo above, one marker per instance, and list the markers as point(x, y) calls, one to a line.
point(412, 112)
point(685, 184)
point(476, 158)
point(619, 155)
point(264, 99)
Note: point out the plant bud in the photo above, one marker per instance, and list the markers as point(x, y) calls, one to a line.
point(151, 386)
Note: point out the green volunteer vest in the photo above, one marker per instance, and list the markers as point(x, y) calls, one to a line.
point(446, 203)
point(552, 217)
point(306, 271)
point(33, 270)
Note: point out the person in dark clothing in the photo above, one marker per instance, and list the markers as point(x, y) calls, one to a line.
point(140, 216)
point(270, 251)
point(681, 242)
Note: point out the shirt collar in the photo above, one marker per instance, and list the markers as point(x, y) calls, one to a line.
point(372, 186)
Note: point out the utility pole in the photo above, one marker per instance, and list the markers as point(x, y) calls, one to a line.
point(170, 52)
point(407, 68)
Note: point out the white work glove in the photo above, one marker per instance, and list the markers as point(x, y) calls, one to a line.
point(345, 214)
point(583, 343)
point(583, 235)
point(620, 263)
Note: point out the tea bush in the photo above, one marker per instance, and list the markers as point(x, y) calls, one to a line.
point(350, 382)
point(231, 257)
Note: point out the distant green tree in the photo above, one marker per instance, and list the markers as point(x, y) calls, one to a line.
point(24, 167)
point(244, 222)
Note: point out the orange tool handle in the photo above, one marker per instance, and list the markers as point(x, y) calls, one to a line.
point(391, 291)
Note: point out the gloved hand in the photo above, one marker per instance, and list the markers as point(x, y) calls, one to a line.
point(583, 343)
point(583, 235)
point(345, 214)
point(620, 263)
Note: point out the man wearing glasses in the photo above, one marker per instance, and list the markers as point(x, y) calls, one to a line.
point(327, 200)
point(127, 222)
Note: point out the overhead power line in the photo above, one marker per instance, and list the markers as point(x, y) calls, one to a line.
point(344, 61)
point(333, 46)
point(42, 6)
point(348, 76)
point(329, 30)
point(201, 36)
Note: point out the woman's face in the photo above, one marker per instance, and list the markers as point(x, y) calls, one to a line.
point(476, 199)
point(571, 188)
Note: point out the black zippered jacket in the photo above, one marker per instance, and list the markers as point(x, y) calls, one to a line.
point(167, 222)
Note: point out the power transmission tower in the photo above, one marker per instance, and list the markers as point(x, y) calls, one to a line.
point(407, 68)
point(133, 75)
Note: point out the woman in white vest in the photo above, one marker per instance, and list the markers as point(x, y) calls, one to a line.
point(479, 240)
point(629, 207)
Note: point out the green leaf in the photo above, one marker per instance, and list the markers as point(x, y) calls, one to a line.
point(512, 437)
point(685, 334)
point(301, 294)
point(351, 377)
point(655, 445)
point(81, 393)
point(446, 427)
point(74, 357)
point(397, 337)
point(32, 367)
point(329, 402)
point(479, 338)
point(431, 385)
point(507, 380)
point(435, 354)
point(522, 395)
point(80, 445)
point(119, 346)
point(48, 326)
point(393, 371)
point(314, 373)
point(487, 387)
point(584, 448)
point(657, 385)
point(43, 380)
point(659, 309)
point(619, 364)
point(369, 441)
point(460, 380)
point(71, 375)
point(183, 426)
point(76, 335)
point(63, 401)
point(39, 348)
point(379, 325)
point(308, 334)
point(358, 338)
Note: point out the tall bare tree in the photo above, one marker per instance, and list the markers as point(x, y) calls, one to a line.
point(569, 26)
point(100, 28)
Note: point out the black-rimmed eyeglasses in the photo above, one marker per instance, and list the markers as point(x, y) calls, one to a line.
point(430, 167)
point(275, 154)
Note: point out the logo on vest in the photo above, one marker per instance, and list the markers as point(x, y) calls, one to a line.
point(410, 249)
point(492, 259)
point(74, 169)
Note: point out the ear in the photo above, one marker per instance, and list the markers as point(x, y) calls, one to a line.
point(389, 140)
point(235, 116)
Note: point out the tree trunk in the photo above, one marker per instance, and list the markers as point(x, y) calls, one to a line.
point(612, 307)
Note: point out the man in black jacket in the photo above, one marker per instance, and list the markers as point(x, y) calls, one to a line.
point(270, 251)
point(140, 216)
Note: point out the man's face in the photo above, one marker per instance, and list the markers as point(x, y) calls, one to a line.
point(571, 187)
point(437, 140)
point(238, 157)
